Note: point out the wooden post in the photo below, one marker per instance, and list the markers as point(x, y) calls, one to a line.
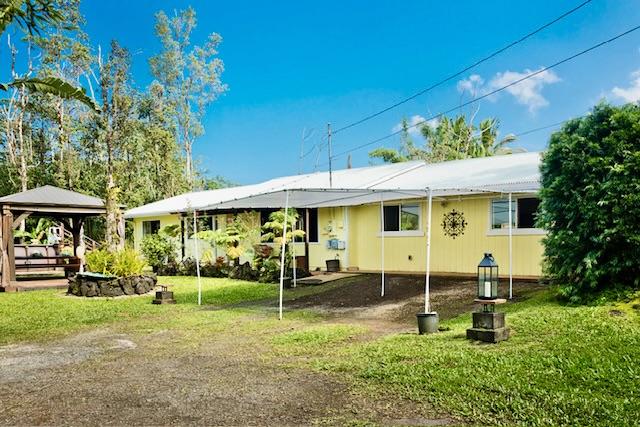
point(6, 246)
point(76, 231)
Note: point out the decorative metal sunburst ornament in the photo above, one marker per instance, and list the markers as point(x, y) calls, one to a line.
point(453, 223)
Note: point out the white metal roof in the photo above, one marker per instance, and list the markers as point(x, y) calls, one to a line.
point(498, 174)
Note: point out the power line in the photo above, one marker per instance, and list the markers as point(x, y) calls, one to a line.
point(468, 68)
point(493, 92)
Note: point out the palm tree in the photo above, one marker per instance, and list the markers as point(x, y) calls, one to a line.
point(488, 143)
point(449, 139)
point(33, 16)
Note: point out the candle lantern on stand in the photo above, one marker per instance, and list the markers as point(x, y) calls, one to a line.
point(488, 325)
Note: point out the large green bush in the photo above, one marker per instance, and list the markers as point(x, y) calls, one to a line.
point(158, 250)
point(123, 263)
point(591, 203)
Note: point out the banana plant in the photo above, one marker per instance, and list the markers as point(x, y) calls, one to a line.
point(33, 16)
point(37, 235)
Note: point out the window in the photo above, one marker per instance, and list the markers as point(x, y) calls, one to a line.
point(402, 218)
point(523, 213)
point(150, 227)
point(204, 223)
point(500, 214)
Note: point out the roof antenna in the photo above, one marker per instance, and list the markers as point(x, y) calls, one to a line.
point(330, 168)
point(349, 162)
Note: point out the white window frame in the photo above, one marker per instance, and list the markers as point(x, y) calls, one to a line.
point(403, 233)
point(516, 231)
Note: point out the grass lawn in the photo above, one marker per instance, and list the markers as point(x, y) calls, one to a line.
point(562, 365)
point(37, 315)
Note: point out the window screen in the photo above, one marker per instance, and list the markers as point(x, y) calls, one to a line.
point(500, 214)
point(402, 218)
point(527, 209)
point(410, 217)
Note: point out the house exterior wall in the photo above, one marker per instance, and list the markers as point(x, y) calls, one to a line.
point(407, 253)
point(359, 227)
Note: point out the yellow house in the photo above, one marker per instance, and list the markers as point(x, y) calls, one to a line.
point(376, 218)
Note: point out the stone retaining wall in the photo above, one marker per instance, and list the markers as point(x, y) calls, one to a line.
point(84, 286)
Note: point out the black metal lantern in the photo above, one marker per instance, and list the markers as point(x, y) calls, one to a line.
point(488, 278)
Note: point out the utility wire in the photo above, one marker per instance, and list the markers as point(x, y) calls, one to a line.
point(493, 92)
point(464, 70)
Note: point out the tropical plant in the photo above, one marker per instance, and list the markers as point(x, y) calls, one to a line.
point(122, 263)
point(158, 250)
point(231, 238)
point(127, 262)
point(99, 261)
point(37, 235)
point(33, 16)
point(449, 139)
point(590, 203)
point(274, 228)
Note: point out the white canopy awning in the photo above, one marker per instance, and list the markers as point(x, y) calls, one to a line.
point(518, 173)
point(515, 173)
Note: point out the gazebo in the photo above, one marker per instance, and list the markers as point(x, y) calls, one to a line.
point(68, 207)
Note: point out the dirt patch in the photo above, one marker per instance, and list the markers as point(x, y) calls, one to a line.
point(24, 362)
point(193, 375)
point(360, 297)
point(165, 379)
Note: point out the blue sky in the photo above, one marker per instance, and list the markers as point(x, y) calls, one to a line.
point(292, 66)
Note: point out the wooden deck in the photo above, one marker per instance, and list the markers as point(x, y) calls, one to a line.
point(34, 282)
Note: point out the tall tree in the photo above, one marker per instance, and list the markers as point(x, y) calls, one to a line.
point(190, 74)
point(113, 124)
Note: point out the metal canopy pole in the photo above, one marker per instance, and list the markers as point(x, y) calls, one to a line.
point(195, 244)
point(282, 250)
point(427, 298)
point(382, 243)
point(293, 253)
point(510, 249)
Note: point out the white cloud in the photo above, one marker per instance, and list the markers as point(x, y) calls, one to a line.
point(528, 92)
point(632, 93)
point(415, 123)
point(471, 85)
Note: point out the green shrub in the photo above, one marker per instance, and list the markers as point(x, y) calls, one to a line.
point(590, 203)
point(126, 262)
point(99, 261)
point(158, 250)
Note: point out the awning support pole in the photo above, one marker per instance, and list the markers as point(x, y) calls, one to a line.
point(195, 244)
point(294, 262)
point(510, 249)
point(427, 297)
point(282, 251)
point(382, 243)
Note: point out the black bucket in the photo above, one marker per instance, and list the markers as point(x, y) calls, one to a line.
point(427, 323)
point(333, 265)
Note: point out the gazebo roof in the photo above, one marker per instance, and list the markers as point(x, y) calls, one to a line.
point(53, 199)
